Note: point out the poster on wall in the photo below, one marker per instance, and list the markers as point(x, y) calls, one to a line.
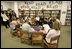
point(40, 5)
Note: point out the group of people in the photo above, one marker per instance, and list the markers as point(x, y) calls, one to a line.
point(49, 26)
point(6, 17)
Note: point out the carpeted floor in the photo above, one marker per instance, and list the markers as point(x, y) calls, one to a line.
point(8, 42)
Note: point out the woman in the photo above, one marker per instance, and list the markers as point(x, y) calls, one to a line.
point(5, 19)
point(53, 32)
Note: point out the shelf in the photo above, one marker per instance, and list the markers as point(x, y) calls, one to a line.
point(54, 11)
point(45, 13)
point(68, 18)
point(68, 15)
point(32, 14)
point(68, 9)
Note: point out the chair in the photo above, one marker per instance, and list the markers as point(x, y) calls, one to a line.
point(25, 36)
point(52, 45)
point(19, 33)
point(37, 37)
point(13, 32)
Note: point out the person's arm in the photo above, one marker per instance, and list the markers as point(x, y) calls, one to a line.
point(49, 34)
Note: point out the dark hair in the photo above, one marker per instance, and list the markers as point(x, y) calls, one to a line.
point(56, 25)
point(12, 10)
point(18, 26)
point(2, 12)
point(17, 18)
point(53, 20)
point(42, 28)
point(57, 17)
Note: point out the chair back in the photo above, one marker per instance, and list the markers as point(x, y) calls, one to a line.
point(36, 33)
point(55, 38)
point(25, 33)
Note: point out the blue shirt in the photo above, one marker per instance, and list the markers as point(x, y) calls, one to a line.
point(12, 27)
point(36, 28)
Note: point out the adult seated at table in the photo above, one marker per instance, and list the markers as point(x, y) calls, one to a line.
point(15, 22)
point(46, 27)
point(43, 31)
point(33, 21)
point(26, 26)
point(53, 32)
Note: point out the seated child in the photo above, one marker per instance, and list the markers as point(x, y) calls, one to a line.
point(42, 30)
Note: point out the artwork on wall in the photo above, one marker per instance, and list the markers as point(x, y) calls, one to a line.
point(40, 5)
point(29, 2)
point(53, 2)
point(56, 6)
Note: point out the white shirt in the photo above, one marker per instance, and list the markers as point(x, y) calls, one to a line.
point(46, 27)
point(58, 20)
point(27, 27)
point(25, 17)
point(5, 18)
point(37, 18)
point(52, 33)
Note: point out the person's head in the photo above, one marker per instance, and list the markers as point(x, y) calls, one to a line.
point(17, 26)
point(22, 21)
point(56, 25)
point(6, 11)
point(57, 17)
point(17, 18)
point(12, 11)
point(42, 28)
point(13, 17)
point(10, 23)
point(53, 19)
point(27, 20)
point(2, 12)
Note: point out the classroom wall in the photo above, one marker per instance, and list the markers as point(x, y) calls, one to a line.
point(62, 7)
point(36, 5)
point(7, 5)
point(63, 13)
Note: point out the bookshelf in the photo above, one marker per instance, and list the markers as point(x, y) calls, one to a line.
point(68, 16)
point(52, 13)
point(45, 13)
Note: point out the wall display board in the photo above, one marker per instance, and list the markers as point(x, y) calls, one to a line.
point(38, 5)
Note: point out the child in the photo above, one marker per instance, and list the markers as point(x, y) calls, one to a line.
point(44, 32)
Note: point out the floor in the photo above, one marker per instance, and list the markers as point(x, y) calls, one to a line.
point(8, 42)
